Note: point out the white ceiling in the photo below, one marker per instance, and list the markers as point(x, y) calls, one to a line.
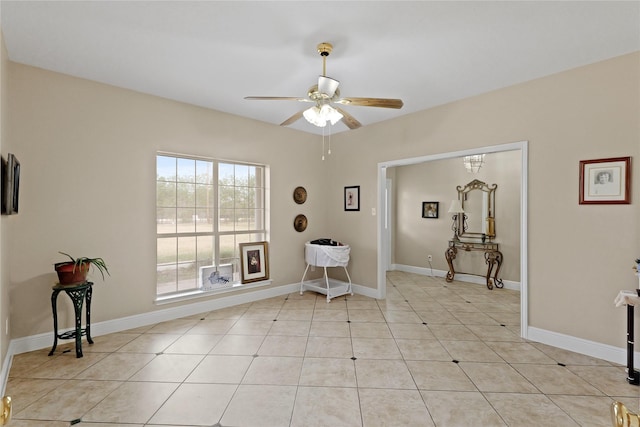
point(214, 53)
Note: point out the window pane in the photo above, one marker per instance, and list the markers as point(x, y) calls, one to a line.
point(167, 250)
point(166, 278)
point(187, 249)
point(251, 171)
point(242, 219)
point(225, 220)
point(255, 220)
point(242, 175)
point(258, 237)
point(205, 220)
point(166, 168)
point(241, 197)
point(186, 170)
point(204, 172)
point(205, 250)
point(186, 220)
point(225, 174)
point(186, 194)
point(228, 247)
point(187, 276)
point(165, 193)
point(255, 198)
point(204, 195)
point(166, 220)
point(225, 196)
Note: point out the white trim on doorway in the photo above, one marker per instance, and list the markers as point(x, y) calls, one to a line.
point(384, 240)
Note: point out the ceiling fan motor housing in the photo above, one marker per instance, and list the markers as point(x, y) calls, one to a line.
point(324, 49)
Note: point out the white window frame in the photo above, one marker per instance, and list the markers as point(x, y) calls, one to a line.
point(257, 215)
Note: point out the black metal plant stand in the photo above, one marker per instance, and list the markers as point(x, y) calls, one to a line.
point(78, 294)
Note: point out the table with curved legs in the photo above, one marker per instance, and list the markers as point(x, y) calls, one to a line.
point(492, 257)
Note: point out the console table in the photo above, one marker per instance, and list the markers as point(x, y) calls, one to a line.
point(492, 257)
point(78, 294)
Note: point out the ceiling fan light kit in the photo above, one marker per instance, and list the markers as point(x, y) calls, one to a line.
point(325, 93)
point(320, 116)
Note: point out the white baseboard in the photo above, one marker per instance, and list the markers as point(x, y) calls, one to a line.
point(582, 346)
point(578, 345)
point(45, 340)
point(37, 342)
point(366, 291)
point(40, 341)
point(461, 277)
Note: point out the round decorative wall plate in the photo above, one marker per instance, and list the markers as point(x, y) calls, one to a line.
point(300, 223)
point(300, 195)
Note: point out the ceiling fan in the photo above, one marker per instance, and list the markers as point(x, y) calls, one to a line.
point(323, 94)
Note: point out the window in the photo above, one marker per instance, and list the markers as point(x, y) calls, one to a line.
point(205, 208)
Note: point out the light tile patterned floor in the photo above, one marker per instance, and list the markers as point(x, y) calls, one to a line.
point(431, 354)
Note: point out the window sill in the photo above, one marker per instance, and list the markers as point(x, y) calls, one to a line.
point(197, 294)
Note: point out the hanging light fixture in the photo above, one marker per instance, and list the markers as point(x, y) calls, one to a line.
point(473, 163)
point(319, 116)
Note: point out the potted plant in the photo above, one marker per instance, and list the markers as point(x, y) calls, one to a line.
point(75, 270)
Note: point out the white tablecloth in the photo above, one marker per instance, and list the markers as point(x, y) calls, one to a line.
point(627, 298)
point(326, 256)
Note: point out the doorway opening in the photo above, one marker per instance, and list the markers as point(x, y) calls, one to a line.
point(385, 223)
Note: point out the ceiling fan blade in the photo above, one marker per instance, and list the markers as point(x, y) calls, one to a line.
point(372, 102)
point(293, 118)
point(348, 119)
point(327, 85)
point(277, 98)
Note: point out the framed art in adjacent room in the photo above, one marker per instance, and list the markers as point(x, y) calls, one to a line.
point(430, 209)
point(254, 261)
point(605, 181)
point(352, 198)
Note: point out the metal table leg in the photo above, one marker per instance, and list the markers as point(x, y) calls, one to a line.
point(633, 376)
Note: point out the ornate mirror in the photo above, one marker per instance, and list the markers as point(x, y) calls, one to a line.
point(478, 203)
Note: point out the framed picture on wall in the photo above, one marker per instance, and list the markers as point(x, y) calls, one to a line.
point(605, 181)
point(352, 198)
point(430, 209)
point(254, 261)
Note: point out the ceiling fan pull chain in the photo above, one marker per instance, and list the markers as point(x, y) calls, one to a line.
point(323, 144)
point(329, 150)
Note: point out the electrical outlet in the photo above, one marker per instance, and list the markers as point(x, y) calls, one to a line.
point(430, 258)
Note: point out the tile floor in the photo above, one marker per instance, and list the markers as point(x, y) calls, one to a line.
point(431, 354)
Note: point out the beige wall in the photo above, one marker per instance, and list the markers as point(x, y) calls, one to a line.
point(4, 221)
point(580, 256)
point(417, 237)
point(87, 153)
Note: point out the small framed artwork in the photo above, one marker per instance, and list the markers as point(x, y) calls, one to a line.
point(212, 277)
point(605, 181)
point(430, 209)
point(352, 198)
point(254, 262)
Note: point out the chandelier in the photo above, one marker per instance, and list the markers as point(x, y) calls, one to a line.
point(473, 163)
point(319, 116)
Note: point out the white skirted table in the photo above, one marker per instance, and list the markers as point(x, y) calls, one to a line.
point(326, 256)
point(630, 299)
